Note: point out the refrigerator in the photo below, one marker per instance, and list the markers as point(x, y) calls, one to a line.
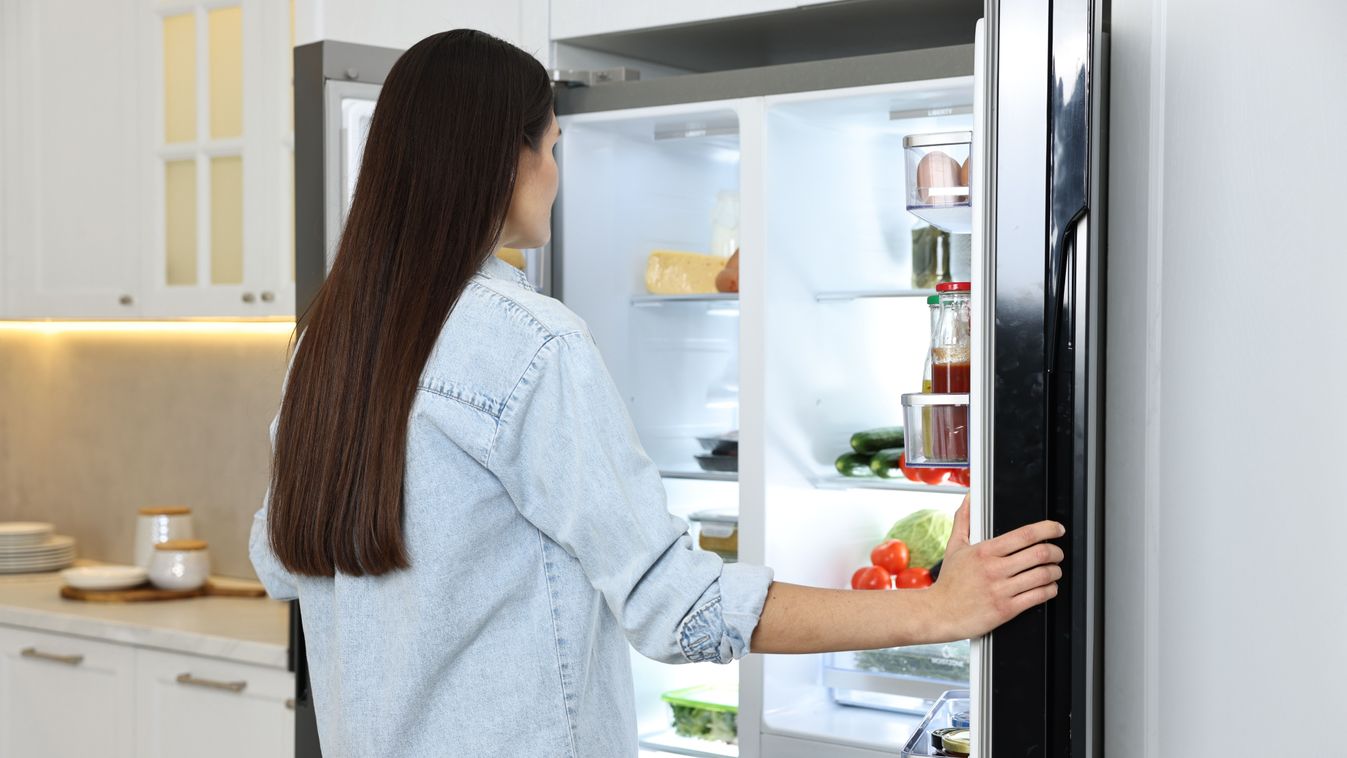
point(802, 167)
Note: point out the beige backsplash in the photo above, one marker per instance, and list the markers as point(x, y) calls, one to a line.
point(95, 424)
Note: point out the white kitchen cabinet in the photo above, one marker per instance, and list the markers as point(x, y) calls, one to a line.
point(217, 159)
point(116, 203)
point(65, 696)
point(211, 708)
point(580, 18)
point(69, 131)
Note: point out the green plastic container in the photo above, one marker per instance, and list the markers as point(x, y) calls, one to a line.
point(705, 712)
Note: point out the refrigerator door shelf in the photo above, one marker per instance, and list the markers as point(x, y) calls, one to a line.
point(937, 430)
point(875, 483)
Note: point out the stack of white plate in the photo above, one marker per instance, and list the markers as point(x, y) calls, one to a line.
point(27, 547)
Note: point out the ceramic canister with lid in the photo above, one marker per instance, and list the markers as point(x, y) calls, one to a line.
point(160, 523)
point(180, 565)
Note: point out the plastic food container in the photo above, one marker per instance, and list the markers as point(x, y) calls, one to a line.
point(705, 712)
point(937, 429)
point(938, 168)
point(939, 717)
point(718, 532)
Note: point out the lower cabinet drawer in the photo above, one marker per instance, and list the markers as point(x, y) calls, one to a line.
point(65, 696)
point(207, 708)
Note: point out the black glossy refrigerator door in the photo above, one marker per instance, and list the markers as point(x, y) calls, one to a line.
point(1046, 71)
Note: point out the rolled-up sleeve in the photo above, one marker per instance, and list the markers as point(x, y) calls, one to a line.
point(567, 453)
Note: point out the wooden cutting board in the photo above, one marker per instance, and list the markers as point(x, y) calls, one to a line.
point(148, 592)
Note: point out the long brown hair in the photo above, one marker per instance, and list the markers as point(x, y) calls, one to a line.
point(434, 189)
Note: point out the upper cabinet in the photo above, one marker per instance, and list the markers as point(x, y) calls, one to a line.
point(217, 174)
point(582, 18)
point(69, 129)
point(148, 159)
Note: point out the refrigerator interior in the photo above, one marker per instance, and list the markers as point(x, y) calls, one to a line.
point(843, 336)
point(846, 336)
point(632, 182)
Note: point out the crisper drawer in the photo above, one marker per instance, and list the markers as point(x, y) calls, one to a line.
point(64, 696)
point(221, 708)
point(903, 679)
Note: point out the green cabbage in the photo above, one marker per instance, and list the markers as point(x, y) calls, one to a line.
point(925, 533)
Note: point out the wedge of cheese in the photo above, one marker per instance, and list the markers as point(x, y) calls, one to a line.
point(671, 272)
point(511, 256)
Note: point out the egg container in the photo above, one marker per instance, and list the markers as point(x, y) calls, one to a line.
point(938, 173)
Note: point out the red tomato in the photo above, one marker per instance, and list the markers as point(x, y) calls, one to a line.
point(960, 476)
point(871, 578)
point(912, 578)
point(920, 473)
point(890, 555)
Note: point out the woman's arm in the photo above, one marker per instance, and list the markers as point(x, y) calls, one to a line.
point(981, 587)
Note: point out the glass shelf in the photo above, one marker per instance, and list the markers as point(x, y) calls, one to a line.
point(654, 301)
point(707, 476)
point(667, 742)
point(847, 296)
point(875, 483)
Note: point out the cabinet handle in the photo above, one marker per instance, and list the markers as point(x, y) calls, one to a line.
point(69, 660)
point(214, 684)
point(249, 297)
point(290, 703)
point(268, 297)
point(126, 300)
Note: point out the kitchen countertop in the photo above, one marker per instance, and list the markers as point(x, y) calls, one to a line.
point(247, 630)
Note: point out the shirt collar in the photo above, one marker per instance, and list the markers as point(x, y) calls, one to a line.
point(495, 268)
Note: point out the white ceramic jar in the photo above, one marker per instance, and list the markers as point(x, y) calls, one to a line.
point(180, 565)
point(160, 523)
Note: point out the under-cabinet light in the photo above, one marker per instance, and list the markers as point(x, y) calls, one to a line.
point(151, 327)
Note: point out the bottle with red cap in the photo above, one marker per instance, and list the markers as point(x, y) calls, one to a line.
point(952, 346)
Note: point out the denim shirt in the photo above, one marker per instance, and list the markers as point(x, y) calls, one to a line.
point(540, 546)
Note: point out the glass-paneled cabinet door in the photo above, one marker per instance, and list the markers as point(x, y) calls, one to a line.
point(216, 243)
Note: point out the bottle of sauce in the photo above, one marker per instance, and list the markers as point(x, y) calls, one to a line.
point(932, 303)
point(951, 351)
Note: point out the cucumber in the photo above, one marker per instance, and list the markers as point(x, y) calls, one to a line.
point(884, 464)
point(871, 441)
point(853, 464)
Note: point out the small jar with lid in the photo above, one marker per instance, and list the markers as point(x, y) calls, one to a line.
point(180, 565)
point(160, 523)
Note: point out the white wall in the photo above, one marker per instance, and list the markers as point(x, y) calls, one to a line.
point(1227, 363)
point(401, 23)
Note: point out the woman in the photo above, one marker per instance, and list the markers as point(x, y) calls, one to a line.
point(458, 497)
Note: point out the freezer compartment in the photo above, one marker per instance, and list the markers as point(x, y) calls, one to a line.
point(903, 679)
point(950, 711)
point(634, 182)
point(937, 430)
point(937, 179)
